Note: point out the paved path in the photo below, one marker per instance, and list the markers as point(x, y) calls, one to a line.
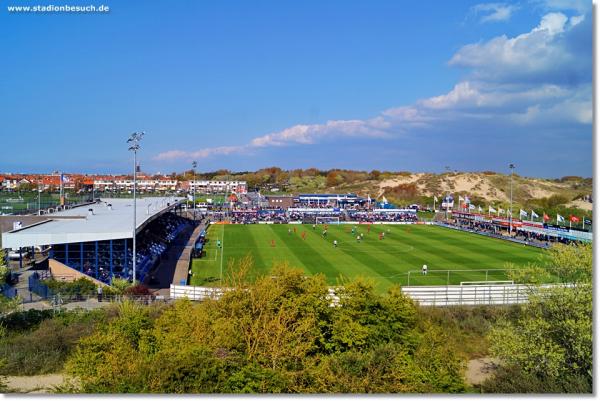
point(39, 384)
point(22, 286)
point(480, 369)
point(183, 264)
point(88, 304)
point(167, 268)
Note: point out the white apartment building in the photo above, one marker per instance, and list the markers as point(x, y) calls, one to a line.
point(210, 187)
point(142, 185)
point(104, 185)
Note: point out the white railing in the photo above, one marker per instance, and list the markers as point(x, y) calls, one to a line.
point(473, 294)
point(468, 295)
point(195, 293)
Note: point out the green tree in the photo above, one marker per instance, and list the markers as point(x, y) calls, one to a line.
point(551, 341)
point(277, 333)
point(75, 288)
point(7, 305)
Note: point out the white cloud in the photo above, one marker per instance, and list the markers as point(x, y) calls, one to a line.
point(199, 154)
point(494, 12)
point(576, 108)
point(553, 23)
point(545, 54)
point(532, 80)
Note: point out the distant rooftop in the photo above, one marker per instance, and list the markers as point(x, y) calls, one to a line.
point(80, 225)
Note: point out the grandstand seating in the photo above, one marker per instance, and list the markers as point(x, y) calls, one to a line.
point(107, 259)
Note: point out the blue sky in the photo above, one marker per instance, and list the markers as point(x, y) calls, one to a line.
point(386, 85)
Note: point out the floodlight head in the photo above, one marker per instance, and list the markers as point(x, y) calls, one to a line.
point(194, 164)
point(135, 137)
point(512, 166)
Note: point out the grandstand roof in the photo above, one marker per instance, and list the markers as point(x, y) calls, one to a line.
point(80, 225)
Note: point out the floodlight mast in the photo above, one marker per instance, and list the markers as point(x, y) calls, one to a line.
point(194, 165)
point(511, 166)
point(134, 141)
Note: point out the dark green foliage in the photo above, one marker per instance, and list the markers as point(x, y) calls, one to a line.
point(25, 320)
point(550, 345)
point(39, 344)
point(510, 380)
point(72, 289)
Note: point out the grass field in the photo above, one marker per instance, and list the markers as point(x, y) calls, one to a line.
point(22, 201)
point(404, 249)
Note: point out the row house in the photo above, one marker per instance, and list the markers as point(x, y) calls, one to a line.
point(209, 187)
point(104, 185)
point(9, 182)
point(143, 184)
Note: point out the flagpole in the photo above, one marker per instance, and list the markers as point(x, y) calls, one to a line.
point(60, 200)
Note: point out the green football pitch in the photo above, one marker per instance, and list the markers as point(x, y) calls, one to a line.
point(452, 256)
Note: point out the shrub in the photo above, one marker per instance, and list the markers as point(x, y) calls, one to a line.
point(25, 320)
point(512, 379)
point(79, 287)
point(138, 289)
point(45, 348)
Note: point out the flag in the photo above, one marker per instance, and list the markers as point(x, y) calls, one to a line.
point(587, 221)
point(467, 199)
point(559, 218)
point(500, 210)
point(369, 198)
point(385, 200)
point(534, 215)
point(64, 178)
point(522, 213)
point(546, 217)
point(492, 210)
point(471, 207)
point(460, 198)
point(479, 208)
point(574, 219)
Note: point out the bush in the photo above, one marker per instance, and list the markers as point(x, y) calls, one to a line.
point(509, 380)
point(75, 289)
point(45, 348)
point(26, 320)
point(276, 334)
point(138, 289)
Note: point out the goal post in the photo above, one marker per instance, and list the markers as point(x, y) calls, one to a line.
point(327, 220)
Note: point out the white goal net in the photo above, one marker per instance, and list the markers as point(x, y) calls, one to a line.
point(327, 220)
